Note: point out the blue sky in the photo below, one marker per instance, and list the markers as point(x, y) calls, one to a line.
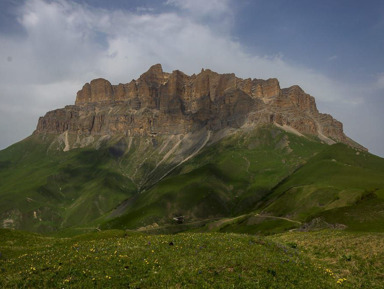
point(332, 49)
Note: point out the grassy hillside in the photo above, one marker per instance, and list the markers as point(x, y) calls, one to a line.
point(117, 259)
point(271, 179)
point(227, 178)
point(275, 180)
point(336, 184)
point(43, 189)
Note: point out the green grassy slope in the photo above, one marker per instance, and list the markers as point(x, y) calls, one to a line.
point(275, 179)
point(336, 181)
point(43, 189)
point(117, 259)
point(227, 178)
point(278, 180)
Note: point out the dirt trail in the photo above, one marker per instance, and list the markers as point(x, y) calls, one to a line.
point(280, 218)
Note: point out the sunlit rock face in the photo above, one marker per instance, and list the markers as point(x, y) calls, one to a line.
point(161, 103)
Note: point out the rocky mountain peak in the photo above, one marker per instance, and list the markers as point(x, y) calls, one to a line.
point(98, 90)
point(161, 103)
point(154, 75)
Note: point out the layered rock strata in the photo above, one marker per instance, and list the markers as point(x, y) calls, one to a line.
point(160, 103)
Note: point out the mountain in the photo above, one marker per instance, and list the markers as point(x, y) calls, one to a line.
point(210, 151)
point(165, 104)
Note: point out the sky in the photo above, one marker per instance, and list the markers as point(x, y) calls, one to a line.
point(333, 49)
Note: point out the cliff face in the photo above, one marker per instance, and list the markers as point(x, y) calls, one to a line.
point(160, 103)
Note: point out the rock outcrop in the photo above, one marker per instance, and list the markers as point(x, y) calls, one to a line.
point(175, 103)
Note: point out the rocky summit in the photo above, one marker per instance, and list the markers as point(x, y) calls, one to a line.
point(161, 103)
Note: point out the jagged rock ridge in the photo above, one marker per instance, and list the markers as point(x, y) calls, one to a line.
point(160, 103)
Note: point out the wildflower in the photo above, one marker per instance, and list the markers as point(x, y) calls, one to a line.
point(341, 281)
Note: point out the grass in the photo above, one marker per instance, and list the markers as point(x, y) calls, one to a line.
point(338, 177)
point(366, 215)
point(225, 179)
point(117, 259)
point(358, 257)
point(45, 190)
point(265, 170)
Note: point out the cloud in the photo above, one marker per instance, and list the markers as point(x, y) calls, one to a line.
point(380, 81)
point(202, 7)
point(219, 15)
point(332, 58)
point(66, 44)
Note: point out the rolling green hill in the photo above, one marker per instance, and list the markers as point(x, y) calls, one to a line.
point(262, 180)
point(46, 190)
point(336, 181)
point(225, 179)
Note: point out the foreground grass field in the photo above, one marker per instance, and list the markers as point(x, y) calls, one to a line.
point(358, 257)
point(118, 259)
